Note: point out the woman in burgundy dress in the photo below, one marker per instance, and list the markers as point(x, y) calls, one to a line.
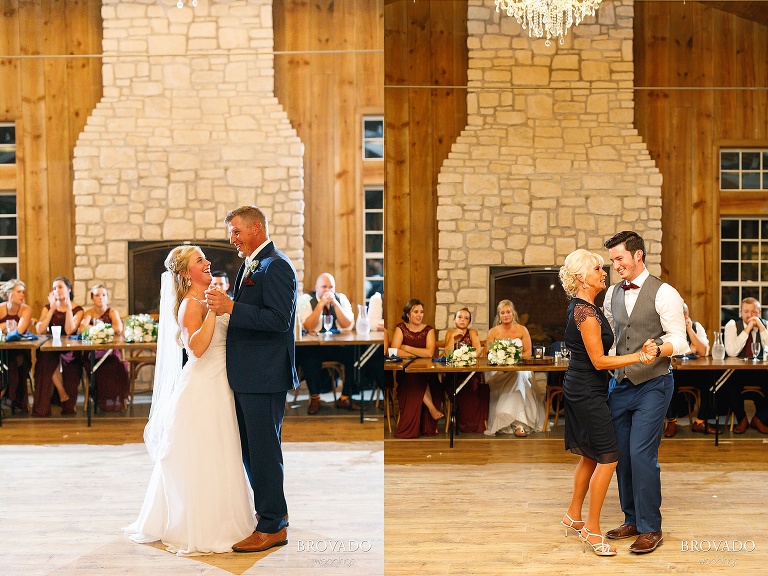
point(473, 399)
point(16, 315)
point(55, 370)
point(419, 396)
point(112, 381)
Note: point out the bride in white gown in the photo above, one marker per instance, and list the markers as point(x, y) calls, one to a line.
point(199, 500)
point(515, 405)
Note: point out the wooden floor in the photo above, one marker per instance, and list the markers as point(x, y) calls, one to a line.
point(493, 506)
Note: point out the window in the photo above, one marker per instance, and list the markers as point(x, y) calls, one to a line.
point(743, 264)
point(7, 143)
point(9, 239)
point(373, 241)
point(373, 137)
point(743, 169)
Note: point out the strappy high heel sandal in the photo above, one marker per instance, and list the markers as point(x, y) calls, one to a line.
point(602, 548)
point(570, 525)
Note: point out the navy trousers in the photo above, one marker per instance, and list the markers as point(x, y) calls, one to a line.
point(260, 418)
point(638, 417)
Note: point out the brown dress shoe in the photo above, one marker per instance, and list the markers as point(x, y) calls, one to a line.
point(260, 541)
point(759, 426)
point(670, 429)
point(623, 531)
point(742, 426)
point(346, 403)
point(702, 426)
point(314, 405)
point(647, 543)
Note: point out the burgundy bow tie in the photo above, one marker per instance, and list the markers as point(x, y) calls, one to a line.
point(629, 285)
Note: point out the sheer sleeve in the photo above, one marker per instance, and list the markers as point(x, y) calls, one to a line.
point(583, 311)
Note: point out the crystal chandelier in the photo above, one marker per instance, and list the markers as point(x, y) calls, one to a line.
point(550, 17)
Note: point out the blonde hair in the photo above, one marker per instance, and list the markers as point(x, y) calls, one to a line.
point(176, 263)
point(11, 285)
point(250, 215)
point(577, 262)
point(501, 305)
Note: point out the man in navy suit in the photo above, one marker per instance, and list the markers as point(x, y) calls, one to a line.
point(260, 365)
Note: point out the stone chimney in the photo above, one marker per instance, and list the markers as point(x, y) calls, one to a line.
point(188, 128)
point(549, 161)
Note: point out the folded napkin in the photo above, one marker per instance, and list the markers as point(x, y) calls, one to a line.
point(14, 336)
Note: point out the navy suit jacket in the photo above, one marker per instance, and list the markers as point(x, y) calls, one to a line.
point(260, 340)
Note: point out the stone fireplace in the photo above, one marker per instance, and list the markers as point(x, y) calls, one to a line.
point(549, 160)
point(187, 129)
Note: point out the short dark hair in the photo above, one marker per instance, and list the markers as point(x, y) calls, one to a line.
point(409, 306)
point(632, 241)
point(67, 282)
point(220, 274)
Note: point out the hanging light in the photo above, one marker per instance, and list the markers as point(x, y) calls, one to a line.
point(180, 4)
point(550, 17)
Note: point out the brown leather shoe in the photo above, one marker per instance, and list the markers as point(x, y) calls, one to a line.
point(623, 531)
point(260, 541)
point(647, 543)
point(670, 429)
point(759, 426)
point(702, 426)
point(314, 405)
point(742, 426)
point(346, 403)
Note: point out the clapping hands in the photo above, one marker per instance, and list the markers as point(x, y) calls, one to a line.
point(649, 351)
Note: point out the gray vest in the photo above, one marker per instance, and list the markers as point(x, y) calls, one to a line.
point(632, 331)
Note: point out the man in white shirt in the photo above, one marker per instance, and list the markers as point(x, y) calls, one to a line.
point(739, 335)
point(638, 308)
point(310, 308)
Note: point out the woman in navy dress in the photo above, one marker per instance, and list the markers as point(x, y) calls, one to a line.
point(588, 424)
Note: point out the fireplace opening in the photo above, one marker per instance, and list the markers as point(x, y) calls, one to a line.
point(145, 266)
point(538, 297)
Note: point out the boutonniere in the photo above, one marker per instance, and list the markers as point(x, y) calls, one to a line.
point(252, 268)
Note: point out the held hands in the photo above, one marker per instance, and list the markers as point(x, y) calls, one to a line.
point(648, 353)
point(326, 299)
point(218, 301)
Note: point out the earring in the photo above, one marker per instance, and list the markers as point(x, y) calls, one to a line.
point(583, 285)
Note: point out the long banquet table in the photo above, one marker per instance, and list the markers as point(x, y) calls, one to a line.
point(428, 366)
point(66, 345)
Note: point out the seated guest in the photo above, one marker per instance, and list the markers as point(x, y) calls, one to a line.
point(472, 400)
point(310, 308)
point(515, 406)
point(419, 396)
point(16, 315)
point(221, 279)
point(112, 380)
point(698, 344)
point(739, 335)
point(56, 370)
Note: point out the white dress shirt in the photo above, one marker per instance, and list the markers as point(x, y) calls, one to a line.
point(304, 309)
point(735, 342)
point(669, 307)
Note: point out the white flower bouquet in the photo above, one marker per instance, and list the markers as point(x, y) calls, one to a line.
point(505, 352)
point(140, 328)
point(99, 333)
point(463, 356)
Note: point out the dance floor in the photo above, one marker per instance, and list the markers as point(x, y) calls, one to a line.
point(493, 507)
point(62, 508)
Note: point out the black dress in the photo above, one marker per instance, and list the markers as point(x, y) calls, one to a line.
point(588, 423)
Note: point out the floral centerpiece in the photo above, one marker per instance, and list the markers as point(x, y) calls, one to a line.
point(140, 328)
point(463, 356)
point(505, 352)
point(99, 333)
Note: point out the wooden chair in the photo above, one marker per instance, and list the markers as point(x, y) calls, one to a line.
point(554, 395)
point(335, 371)
point(692, 400)
point(389, 391)
point(747, 390)
point(137, 359)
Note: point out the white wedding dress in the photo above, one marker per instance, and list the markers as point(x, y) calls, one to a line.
point(199, 500)
point(514, 402)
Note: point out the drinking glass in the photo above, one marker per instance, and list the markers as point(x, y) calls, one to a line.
point(327, 324)
point(10, 325)
point(755, 349)
point(564, 351)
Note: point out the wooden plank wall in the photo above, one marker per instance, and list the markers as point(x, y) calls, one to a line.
point(701, 83)
point(325, 96)
point(425, 46)
point(49, 97)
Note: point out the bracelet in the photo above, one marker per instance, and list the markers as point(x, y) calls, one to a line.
point(658, 351)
